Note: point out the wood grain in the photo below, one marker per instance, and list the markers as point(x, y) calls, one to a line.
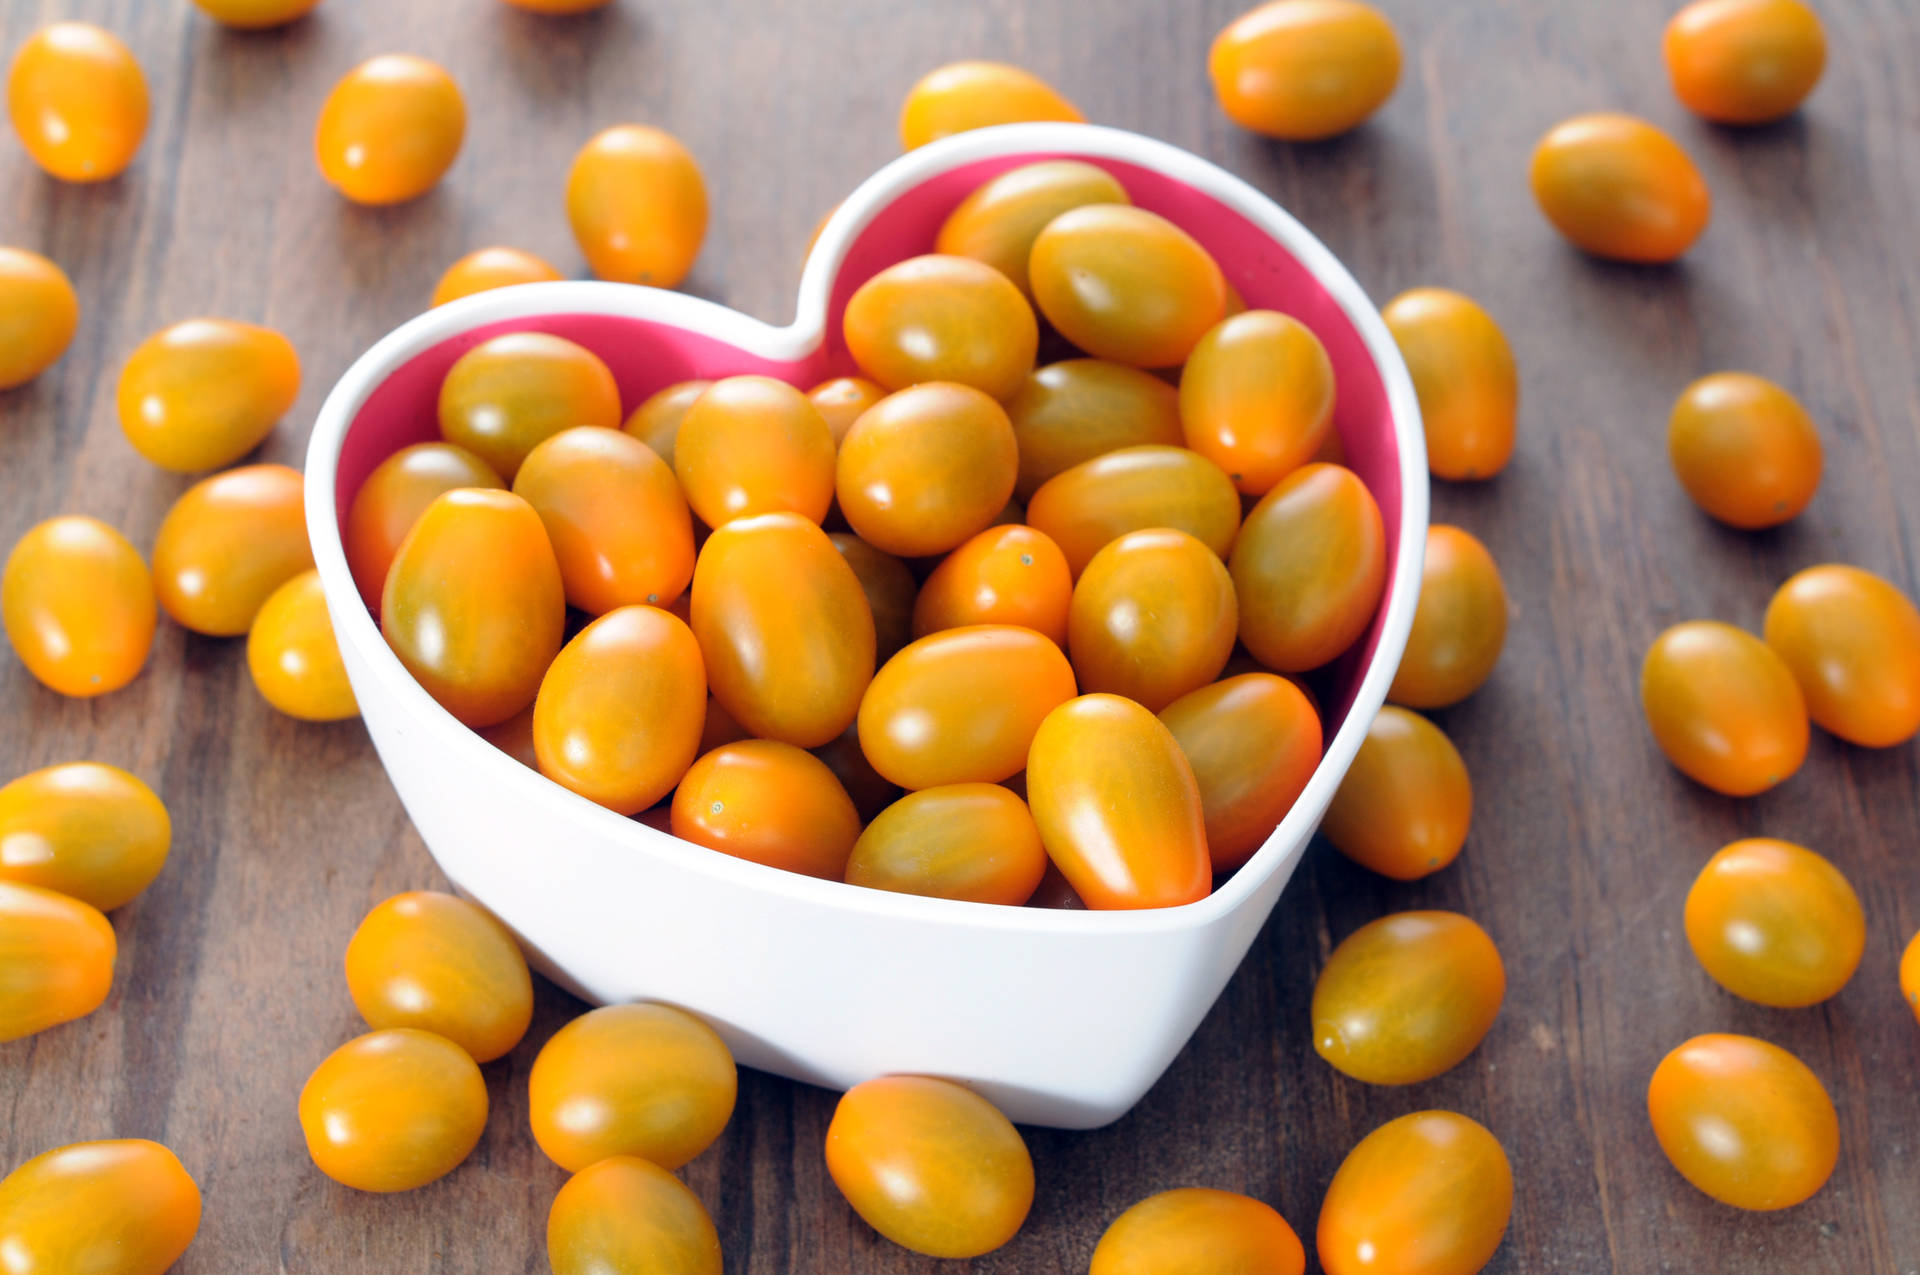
point(228, 985)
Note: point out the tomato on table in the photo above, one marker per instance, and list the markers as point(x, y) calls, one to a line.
point(1744, 1121)
point(1404, 807)
point(39, 314)
point(294, 657)
point(87, 830)
point(1197, 1231)
point(638, 205)
point(1744, 449)
point(1744, 61)
point(1852, 642)
point(78, 605)
point(58, 956)
point(393, 1110)
point(485, 269)
point(78, 100)
point(1407, 997)
point(1775, 923)
point(1303, 70)
point(120, 1207)
point(1459, 626)
point(438, 963)
point(624, 1213)
point(1430, 1193)
point(1465, 377)
point(1618, 187)
point(203, 393)
point(390, 129)
point(961, 96)
point(1723, 707)
point(256, 15)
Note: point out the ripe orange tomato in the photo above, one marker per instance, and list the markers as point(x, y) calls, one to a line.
point(202, 394)
point(890, 592)
point(1459, 626)
point(392, 499)
point(842, 400)
point(618, 523)
point(937, 318)
point(931, 1165)
point(1135, 488)
point(1852, 642)
point(1745, 1121)
point(770, 803)
point(474, 606)
point(86, 830)
point(513, 392)
point(962, 96)
point(927, 468)
point(1407, 997)
point(1309, 567)
point(1744, 449)
point(227, 544)
point(1910, 974)
point(1005, 575)
point(1253, 742)
point(1745, 61)
point(490, 268)
point(625, 1214)
point(1152, 617)
point(656, 422)
point(1430, 1193)
point(393, 1110)
point(638, 205)
point(1192, 1231)
point(1405, 804)
point(124, 1207)
point(1723, 707)
point(58, 956)
point(1126, 284)
point(1073, 411)
point(294, 657)
point(962, 705)
point(78, 101)
point(78, 605)
point(999, 221)
point(1256, 397)
point(440, 964)
point(960, 841)
point(1464, 375)
point(38, 315)
point(640, 1079)
point(753, 445)
point(1618, 187)
point(1301, 70)
point(390, 129)
point(1775, 923)
point(255, 15)
point(784, 627)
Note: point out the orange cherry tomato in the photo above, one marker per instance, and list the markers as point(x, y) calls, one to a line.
point(1253, 742)
point(1407, 997)
point(1073, 411)
point(960, 841)
point(1618, 187)
point(962, 96)
point(1309, 566)
point(1744, 449)
point(642, 1079)
point(1302, 70)
point(753, 445)
point(938, 318)
point(999, 221)
point(1152, 617)
point(227, 544)
point(890, 592)
point(625, 1214)
point(1117, 805)
point(1459, 626)
point(1194, 1231)
point(390, 129)
point(1775, 923)
point(931, 1165)
point(39, 314)
point(1464, 375)
point(1005, 575)
point(638, 205)
point(770, 803)
point(1427, 1194)
point(507, 395)
point(474, 606)
point(256, 15)
point(1852, 642)
point(1085, 508)
point(1406, 802)
point(622, 708)
point(78, 605)
point(842, 401)
point(1744, 1121)
point(1126, 284)
point(294, 657)
point(86, 830)
point(1256, 397)
point(58, 956)
point(393, 1110)
point(78, 100)
point(656, 422)
point(490, 268)
point(392, 499)
point(440, 964)
point(927, 468)
point(962, 705)
point(784, 627)
point(1910, 974)
point(618, 523)
point(1723, 707)
point(1745, 61)
point(204, 393)
point(124, 1207)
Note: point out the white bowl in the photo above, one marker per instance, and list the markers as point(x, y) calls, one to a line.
point(1060, 1017)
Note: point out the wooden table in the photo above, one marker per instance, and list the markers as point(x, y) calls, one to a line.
point(228, 986)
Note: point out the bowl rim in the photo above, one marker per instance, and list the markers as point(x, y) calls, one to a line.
point(354, 624)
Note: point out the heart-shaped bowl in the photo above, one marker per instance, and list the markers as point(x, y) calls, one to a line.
point(1060, 1017)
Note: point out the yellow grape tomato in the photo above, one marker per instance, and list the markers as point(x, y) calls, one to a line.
point(78, 605)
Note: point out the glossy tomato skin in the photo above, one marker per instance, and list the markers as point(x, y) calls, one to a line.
point(1008, 574)
point(1407, 997)
point(926, 468)
point(1310, 565)
point(485, 269)
point(931, 1165)
point(443, 965)
point(1744, 1121)
point(615, 516)
point(78, 605)
point(294, 657)
point(1465, 377)
point(1302, 70)
point(1459, 626)
point(203, 393)
point(842, 400)
point(121, 1207)
point(1852, 642)
point(1084, 508)
point(227, 544)
point(753, 445)
point(962, 705)
point(390, 129)
point(510, 393)
point(769, 803)
point(1077, 409)
point(1256, 397)
point(627, 1214)
point(656, 422)
point(392, 499)
point(1197, 1231)
point(1618, 187)
point(1427, 1194)
point(999, 221)
point(890, 590)
point(1775, 923)
point(1745, 61)
point(86, 830)
point(638, 205)
point(256, 15)
point(942, 318)
point(962, 841)
point(78, 100)
point(1253, 742)
point(1405, 805)
point(962, 96)
point(784, 628)
point(474, 606)
point(58, 954)
point(1152, 617)
point(1744, 449)
point(39, 314)
point(1126, 284)
point(393, 1110)
point(639, 1079)
point(1723, 707)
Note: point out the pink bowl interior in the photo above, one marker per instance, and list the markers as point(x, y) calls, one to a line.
point(647, 356)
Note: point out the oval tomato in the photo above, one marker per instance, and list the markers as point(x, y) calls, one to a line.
point(227, 544)
point(1407, 997)
point(1256, 397)
point(390, 129)
point(490, 268)
point(440, 964)
point(656, 422)
point(58, 956)
point(510, 393)
point(204, 393)
point(1008, 574)
point(1253, 742)
point(1406, 802)
point(1430, 1193)
point(124, 1207)
point(961, 96)
point(78, 100)
point(1459, 626)
point(78, 605)
point(255, 15)
point(1745, 61)
point(1195, 1231)
point(1309, 567)
point(1723, 707)
point(1133, 489)
point(1072, 411)
point(1775, 923)
point(960, 841)
point(1852, 642)
point(1153, 616)
point(926, 468)
point(753, 445)
point(638, 205)
point(393, 1110)
point(1302, 70)
point(999, 221)
point(392, 499)
point(1744, 449)
point(1126, 284)
point(1464, 374)
point(942, 318)
point(1744, 1121)
point(770, 803)
point(294, 657)
point(86, 830)
point(1618, 187)
point(625, 1214)
point(614, 515)
point(39, 314)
